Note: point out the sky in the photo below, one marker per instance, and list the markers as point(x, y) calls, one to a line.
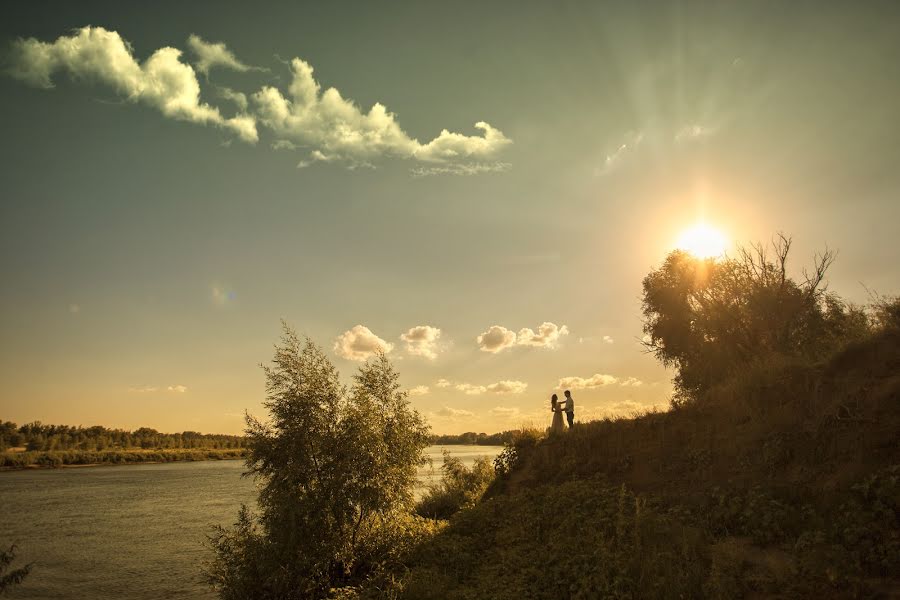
point(477, 189)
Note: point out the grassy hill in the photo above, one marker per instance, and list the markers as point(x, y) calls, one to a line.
point(781, 482)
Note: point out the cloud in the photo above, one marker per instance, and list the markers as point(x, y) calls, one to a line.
point(471, 390)
point(597, 380)
point(216, 54)
point(419, 390)
point(422, 341)
point(95, 54)
point(461, 169)
point(143, 389)
point(337, 130)
point(501, 387)
point(608, 340)
point(239, 98)
point(74, 309)
point(547, 336)
point(454, 413)
point(442, 383)
point(146, 389)
point(498, 338)
point(507, 387)
point(360, 344)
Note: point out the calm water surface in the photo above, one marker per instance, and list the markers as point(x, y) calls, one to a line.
point(131, 531)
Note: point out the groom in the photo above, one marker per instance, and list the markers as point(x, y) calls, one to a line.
point(570, 409)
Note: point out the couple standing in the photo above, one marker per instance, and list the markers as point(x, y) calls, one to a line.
point(568, 407)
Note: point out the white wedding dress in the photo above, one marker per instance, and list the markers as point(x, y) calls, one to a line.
point(557, 425)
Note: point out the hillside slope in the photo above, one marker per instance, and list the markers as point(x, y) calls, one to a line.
point(784, 482)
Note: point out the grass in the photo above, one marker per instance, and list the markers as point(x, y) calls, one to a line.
point(62, 458)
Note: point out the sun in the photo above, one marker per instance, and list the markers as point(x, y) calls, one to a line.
point(702, 241)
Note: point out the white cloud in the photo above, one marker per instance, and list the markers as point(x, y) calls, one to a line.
point(419, 390)
point(216, 54)
point(597, 380)
point(360, 344)
point(422, 341)
point(239, 98)
point(501, 387)
point(496, 339)
point(471, 390)
point(98, 55)
point(507, 387)
point(442, 383)
point(454, 413)
point(608, 340)
point(475, 168)
point(178, 389)
point(143, 389)
point(337, 130)
point(547, 336)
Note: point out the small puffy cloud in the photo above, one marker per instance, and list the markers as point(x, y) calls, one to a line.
point(95, 54)
point(471, 390)
point(178, 389)
point(215, 54)
point(419, 390)
point(608, 340)
point(442, 383)
point(422, 341)
point(507, 387)
point(146, 389)
point(143, 389)
point(595, 381)
point(547, 336)
point(501, 387)
point(360, 344)
point(496, 339)
point(454, 413)
point(337, 130)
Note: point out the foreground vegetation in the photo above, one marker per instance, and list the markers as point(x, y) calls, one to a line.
point(775, 474)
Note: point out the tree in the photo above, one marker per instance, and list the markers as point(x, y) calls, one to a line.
point(709, 318)
point(334, 466)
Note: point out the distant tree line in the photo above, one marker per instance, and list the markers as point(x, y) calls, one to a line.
point(474, 439)
point(37, 437)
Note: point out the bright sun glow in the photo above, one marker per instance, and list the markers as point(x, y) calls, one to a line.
point(702, 241)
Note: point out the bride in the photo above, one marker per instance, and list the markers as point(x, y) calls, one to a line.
point(557, 425)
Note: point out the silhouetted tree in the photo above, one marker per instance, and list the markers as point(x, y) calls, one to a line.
point(709, 318)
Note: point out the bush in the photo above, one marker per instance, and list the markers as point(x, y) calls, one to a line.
point(459, 488)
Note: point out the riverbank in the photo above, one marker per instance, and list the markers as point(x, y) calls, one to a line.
point(16, 461)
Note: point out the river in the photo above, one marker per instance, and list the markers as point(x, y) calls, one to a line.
point(136, 531)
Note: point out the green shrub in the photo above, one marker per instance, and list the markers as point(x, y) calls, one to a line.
point(459, 488)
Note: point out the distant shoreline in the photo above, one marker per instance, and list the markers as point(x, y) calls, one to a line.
point(69, 459)
point(113, 464)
